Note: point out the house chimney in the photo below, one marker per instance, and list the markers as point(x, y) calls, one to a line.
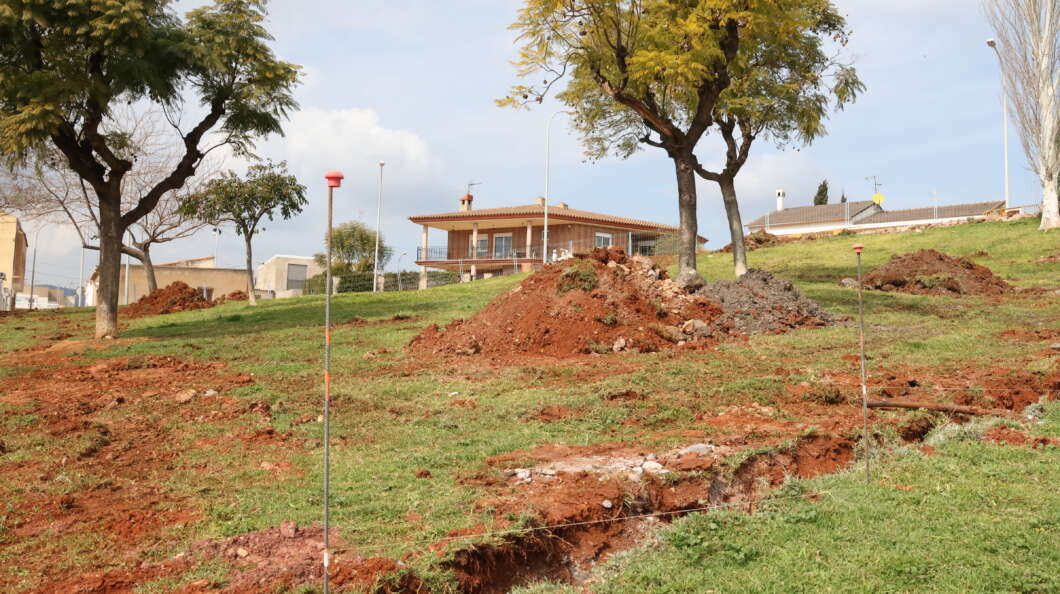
point(780, 199)
point(465, 202)
point(562, 205)
point(540, 201)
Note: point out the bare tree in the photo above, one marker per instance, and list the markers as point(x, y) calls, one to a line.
point(1028, 43)
point(44, 188)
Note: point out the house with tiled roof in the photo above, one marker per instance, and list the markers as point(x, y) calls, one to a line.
point(490, 241)
point(864, 215)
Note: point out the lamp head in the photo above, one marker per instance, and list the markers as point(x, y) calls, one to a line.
point(991, 42)
point(334, 179)
point(858, 248)
point(381, 163)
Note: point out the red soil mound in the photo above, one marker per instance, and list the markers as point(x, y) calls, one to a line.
point(237, 296)
point(1009, 436)
point(928, 272)
point(606, 302)
point(176, 297)
point(756, 240)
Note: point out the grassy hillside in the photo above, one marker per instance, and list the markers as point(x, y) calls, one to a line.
point(396, 414)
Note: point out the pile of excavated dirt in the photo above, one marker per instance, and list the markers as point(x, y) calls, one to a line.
point(756, 240)
point(606, 302)
point(237, 296)
point(928, 272)
point(176, 297)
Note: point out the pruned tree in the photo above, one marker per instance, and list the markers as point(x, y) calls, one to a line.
point(64, 66)
point(665, 74)
point(843, 198)
point(43, 188)
point(1028, 44)
point(821, 197)
point(353, 249)
point(267, 190)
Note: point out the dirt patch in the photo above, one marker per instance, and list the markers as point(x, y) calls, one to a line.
point(171, 299)
point(1026, 335)
point(607, 303)
point(550, 414)
point(929, 272)
point(758, 240)
point(1049, 259)
point(1008, 436)
point(237, 296)
point(581, 517)
point(284, 557)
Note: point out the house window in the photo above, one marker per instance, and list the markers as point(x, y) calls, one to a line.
point(646, 247)
point(603, 240)
point(483, 250)
point(502, 245)
point(296, 276)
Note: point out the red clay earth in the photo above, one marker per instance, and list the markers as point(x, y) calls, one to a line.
point(758, 240)
point(606, 302)
point(928, 272)
point(171, 299)
point(1050, 259)
point(121, 419)
point(1008, 436)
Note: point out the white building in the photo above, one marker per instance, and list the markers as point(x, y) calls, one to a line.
point(285, 276)
point(863, 215)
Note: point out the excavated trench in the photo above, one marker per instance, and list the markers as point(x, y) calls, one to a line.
point(590, 533)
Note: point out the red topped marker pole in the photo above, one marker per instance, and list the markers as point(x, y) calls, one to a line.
point(864, 385)
point(334, 181)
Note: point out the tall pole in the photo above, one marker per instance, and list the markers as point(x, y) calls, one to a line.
point(1004, 116)
point(548, 160)
point(33, 273)
point(126, 279)
point(378, 230)
point(334, 181)
point(864, 382)
point(81, 280)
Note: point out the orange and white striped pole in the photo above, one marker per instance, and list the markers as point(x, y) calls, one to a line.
point(334, 181)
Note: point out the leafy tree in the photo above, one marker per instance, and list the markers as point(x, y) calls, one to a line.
point(843, 198)
point(267, 190)
point(64, 66)
point(822, 194)
point(353, 249)
point(665, 74)
point(43, 187)
point(1028, 45)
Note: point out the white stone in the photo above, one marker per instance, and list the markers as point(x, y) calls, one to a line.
point(607, 504)
point(652, 467)
point(697, 448)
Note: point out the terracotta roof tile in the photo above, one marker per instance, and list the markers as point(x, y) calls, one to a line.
point(801, 215)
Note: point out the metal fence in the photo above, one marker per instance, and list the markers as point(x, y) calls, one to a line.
point(645, 244)
point(361, 282)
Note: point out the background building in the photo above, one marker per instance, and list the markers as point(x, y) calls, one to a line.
point(198, 273)
point(13, 249)
point(285, 276)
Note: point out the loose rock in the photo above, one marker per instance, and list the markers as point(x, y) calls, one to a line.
point(184, 396)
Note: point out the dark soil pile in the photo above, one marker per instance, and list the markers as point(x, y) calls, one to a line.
point(237, 296)
point(606, 302)
point(176, 297)
point(756, 240)
point(760, 303)
point(928, 272)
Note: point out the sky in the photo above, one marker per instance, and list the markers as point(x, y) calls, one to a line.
point(413, 83)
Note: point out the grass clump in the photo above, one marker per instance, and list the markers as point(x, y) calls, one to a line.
point(579, 276)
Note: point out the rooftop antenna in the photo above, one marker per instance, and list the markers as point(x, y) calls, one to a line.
point(471, 184)
point(875, 184)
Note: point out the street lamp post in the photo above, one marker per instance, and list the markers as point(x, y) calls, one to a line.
point(334, 181)
point(548, 150)
point(1004, 115)
point(33, 272)
point(378, 230)
point(403, 254)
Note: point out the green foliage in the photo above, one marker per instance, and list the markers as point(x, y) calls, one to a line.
point(579, 276)
point(670, 70)
point(266, 191)
point(353, 249)
point(843, 198)
point(609, 319)
point(63, 64)
point(821, 197)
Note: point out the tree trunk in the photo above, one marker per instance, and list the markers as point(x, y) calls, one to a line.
point(250, 270)
point(110, 234)
point(149, 268)
point(732, 212)
point(687, 274)
point(1050, 207)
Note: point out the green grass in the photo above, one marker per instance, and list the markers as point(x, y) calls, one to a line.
point(392, 417)
point(972, 518)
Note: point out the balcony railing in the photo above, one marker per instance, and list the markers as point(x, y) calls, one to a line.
point(644, 244)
